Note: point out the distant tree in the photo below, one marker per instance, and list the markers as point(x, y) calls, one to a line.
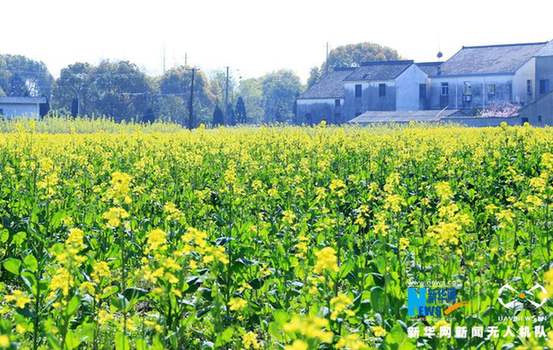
point(171, 108)
point(120, 90)
point(217, 85)
point(75, 107)
point(34, 74)
point(352, 55)
point(17, 86)
point(314, 76)
point(115, 89)
point(279, 93)
point(241, 114)
point(231, 115)
point(355, 54)
point(218, 116)
point(174, 85)
point(251, 91)
point(149, 116)
point(75, 84)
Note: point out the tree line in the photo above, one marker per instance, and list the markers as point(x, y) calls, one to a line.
point(120, 90)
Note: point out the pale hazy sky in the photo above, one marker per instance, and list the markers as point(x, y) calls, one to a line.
point(255, 37)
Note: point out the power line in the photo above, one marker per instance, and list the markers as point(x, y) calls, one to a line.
point(226, 95)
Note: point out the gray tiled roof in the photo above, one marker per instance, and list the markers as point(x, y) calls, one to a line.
point(430, 68)
point(370, 117)
point(329, 86)
point(492, 59)
point(379, 70)
point(22, 100)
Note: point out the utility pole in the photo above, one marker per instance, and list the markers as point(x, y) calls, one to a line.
point(163, 59)
point(226, 96)
point(326, 60)
point(191, 102)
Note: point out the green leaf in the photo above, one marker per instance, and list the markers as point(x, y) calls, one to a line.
point(31, 263)
point(132, 293)
point(109, 291)
point(29, 280)
point(72, 340)
point(53, 342)
point(378, 299)
point(12, 265)
point(73, 306)
point(140, 344)
point(121, 342)
point(224, 337)
point(4, 236)
point(19, 238)
point(281, 316)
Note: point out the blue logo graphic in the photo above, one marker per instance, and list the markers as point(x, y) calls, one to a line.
point(429, 301)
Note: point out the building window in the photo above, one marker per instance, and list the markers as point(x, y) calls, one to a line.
point(445, 89)
point(381, 90)
point(358, 90)
point(544, 86)
point(529, 88)
point(491, 90)
point(422, 91)
point(337, 102)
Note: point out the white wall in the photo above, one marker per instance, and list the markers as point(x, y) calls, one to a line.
point(522, 75)
point(11, 110)
point(479, 84)
point(407, 84)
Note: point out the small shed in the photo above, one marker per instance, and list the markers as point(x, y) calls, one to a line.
point(11, 107)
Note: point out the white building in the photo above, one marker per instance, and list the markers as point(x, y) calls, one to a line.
point(11, 107)
point(480, 76)
point(479, 81)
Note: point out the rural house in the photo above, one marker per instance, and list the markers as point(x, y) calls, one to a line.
point(384, 86)
point(480, 76)
point(11, 107)
point(325, 99)
point(492, 81)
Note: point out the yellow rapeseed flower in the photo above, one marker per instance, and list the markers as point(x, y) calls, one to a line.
point(61, 280)
point(157, 239)
point(237, 304)
point(100, 269)
point(310, 327)
point(339, 304)
point(120, 185)
point(20, 298)
point(379, 331)
point(114, 216)
point(4, 341)
point(351, 342)
point(403, 243)
point(249, 341)
point(326, 260)
point(298, 344)
point(443, 190)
